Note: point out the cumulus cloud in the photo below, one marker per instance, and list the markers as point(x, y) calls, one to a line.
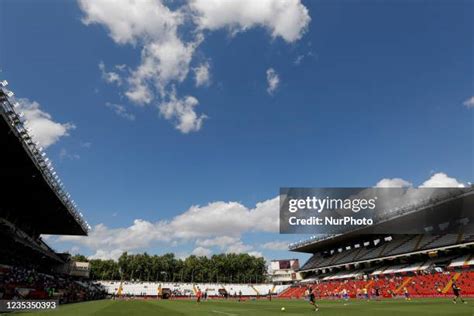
point(442, 180)
point(130, 21)
point(65, 154)
point(273, 80)
point(121, 111)
point(165, 57)
point(109, 76)
point(202, 76)
point(202, 252)
point(222, 242)
point(287, 19)
point(218, 224)
point(43, 128)
point(276, 245)
point(107, 255)
point(163, 62)
point(393, 183)
point(181, 110)
point(437, 180)
point(167, 48)
point(469, 103)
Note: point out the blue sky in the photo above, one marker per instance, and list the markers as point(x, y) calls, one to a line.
point(307, 94)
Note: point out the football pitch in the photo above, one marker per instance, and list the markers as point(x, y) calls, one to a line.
point(428, 307)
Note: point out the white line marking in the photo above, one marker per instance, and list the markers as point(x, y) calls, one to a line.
point(224, 313)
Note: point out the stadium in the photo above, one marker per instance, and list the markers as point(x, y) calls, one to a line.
point(358, 271)
point(236, 158)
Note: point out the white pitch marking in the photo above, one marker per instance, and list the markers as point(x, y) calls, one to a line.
point(224, 313)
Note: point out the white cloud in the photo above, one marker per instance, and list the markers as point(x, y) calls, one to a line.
point(437, 180)
point(202, 252)
point(276, 245)
point(163, 62)
point(202, 76)
point(218, 224)
point(257, 254)
point(130, 21)
point(109, 76)
point(165, 57)
point(393, 183)
point(106, 255)
point(167, 51)
point(86, 145)
point(469, 103)
point(181, 111)
point(239, 247)
point(442, 180)
point(273, 80)
point(287, 19)
point(222, 242)
point(228, 245)
point(65, 154)
point(298, 59)
point(44, 129)
point(121, 111)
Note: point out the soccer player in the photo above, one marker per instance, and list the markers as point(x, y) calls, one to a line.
point(457, 293)
point(366, 293)
point(198, 296)
point(312, 300)
point(270, 295)
point(407, 294)
point(377, 293)
point(345, 296)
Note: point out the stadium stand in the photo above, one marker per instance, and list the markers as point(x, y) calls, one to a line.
point(29, 267)
point(423, 264)
point(19, 282)
point(153, 289)
point(423, 285)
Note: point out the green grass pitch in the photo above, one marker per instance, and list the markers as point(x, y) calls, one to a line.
point(421, 307)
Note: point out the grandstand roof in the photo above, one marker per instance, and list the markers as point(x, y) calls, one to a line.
point(432, 214)
point(32, 197)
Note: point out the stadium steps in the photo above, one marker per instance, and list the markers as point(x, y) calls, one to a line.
point(404, 284)
point(400, 244)
point(292, 292)
point(383, 249)
point(432, 240)
point(460, 238)
point(448, 285)
point(465, 282)
point(357, 253)
point(368, 285)
point(367, 254)
point(256, 291)
point(336, 257)
point(468, 258)
point(419, 242)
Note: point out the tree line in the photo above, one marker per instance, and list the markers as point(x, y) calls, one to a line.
point(220, 268)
